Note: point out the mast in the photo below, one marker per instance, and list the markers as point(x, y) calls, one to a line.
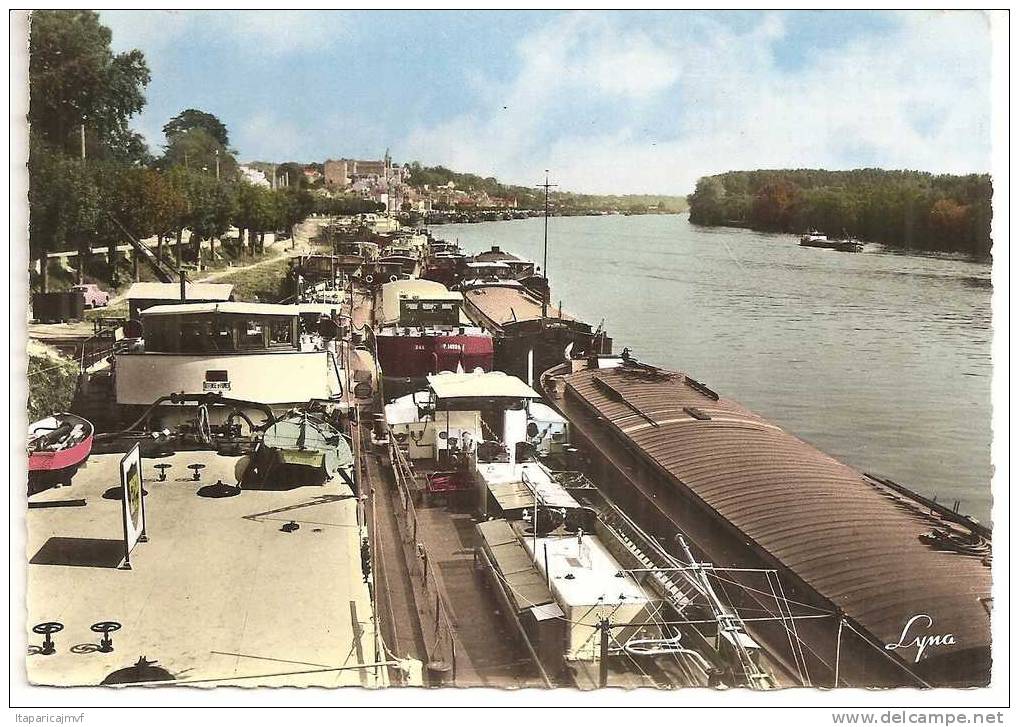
point(544, 261)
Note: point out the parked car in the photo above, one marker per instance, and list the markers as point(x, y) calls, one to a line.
point(94, 297)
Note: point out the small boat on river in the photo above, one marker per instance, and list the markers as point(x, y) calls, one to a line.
point(815, 239)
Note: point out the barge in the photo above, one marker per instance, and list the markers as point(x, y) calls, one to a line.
point(420, 329)
point(866, 557)
point(530, 335)
point(593, 600)
point(246, 575)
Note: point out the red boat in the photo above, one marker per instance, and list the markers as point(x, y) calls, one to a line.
point(421, 330)
point(417, 352)
point(57, 446)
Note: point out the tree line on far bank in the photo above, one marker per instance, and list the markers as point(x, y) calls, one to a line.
point(534, 197)
point(909, 209)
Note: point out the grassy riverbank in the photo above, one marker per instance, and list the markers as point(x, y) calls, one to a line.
point(51, 382)
point(263, 283)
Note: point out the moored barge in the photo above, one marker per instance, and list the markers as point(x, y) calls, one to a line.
point(530, 335)
point(420, 329)
point(883, 571)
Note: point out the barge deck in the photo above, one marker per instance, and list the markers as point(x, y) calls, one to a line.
point(224, 591)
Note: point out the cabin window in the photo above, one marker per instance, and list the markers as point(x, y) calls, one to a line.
point(194, 336)
point(280, 333)
point(222, 336)
point(252, 334)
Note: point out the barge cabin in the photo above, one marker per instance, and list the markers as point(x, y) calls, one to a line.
point(530, 335)
point(421, 330)
point(226, 349)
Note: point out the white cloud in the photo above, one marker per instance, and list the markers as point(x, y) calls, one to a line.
point(255, 32)
point(286, 31)
point(917, 97)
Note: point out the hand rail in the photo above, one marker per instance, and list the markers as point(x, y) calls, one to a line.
point(95, 348)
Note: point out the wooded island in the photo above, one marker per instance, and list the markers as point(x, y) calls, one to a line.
point(909, 209)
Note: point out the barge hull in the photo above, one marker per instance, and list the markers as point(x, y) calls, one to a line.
point(677, 457)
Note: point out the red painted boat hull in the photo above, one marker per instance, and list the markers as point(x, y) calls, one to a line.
point(52, 461)
point(48, 468)
point(417, 356)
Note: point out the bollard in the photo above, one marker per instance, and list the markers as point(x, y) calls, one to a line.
point(438, 673)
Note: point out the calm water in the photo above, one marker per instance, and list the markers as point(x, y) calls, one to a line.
point(880, 359)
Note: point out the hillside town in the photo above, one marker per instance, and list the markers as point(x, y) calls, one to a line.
point(435, 194)
point(386, 183)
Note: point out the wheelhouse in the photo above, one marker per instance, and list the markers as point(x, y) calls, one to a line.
point(220, 328)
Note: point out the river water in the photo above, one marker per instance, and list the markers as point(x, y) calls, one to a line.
point(881, 359)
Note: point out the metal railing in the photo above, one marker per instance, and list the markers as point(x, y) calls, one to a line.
point(102, 323)
point(439, 635)
point(95, 348)
point(365, 493)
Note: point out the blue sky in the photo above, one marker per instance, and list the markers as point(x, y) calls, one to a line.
point(609, 101)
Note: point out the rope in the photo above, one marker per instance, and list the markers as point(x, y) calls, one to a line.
point(789, 632)
point(765, 593)
point(823, 614)
point(746, 661)
point(50, 368)
point(799, 641)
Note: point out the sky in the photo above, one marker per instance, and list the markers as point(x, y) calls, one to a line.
point(609, 102)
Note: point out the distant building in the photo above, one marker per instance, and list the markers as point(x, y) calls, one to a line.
point(336, 173)
point(253, 176)
point(342, 173)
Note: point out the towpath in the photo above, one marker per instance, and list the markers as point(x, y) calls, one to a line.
point(301, 245)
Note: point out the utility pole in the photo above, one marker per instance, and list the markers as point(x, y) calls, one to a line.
point(544, 261)
point(217, 165)
point(603, 653)
point(83, 137)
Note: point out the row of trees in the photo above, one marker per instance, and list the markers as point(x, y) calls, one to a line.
point(351, 205)
point(92, 181)
point(911, 209)
point(78, 205)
